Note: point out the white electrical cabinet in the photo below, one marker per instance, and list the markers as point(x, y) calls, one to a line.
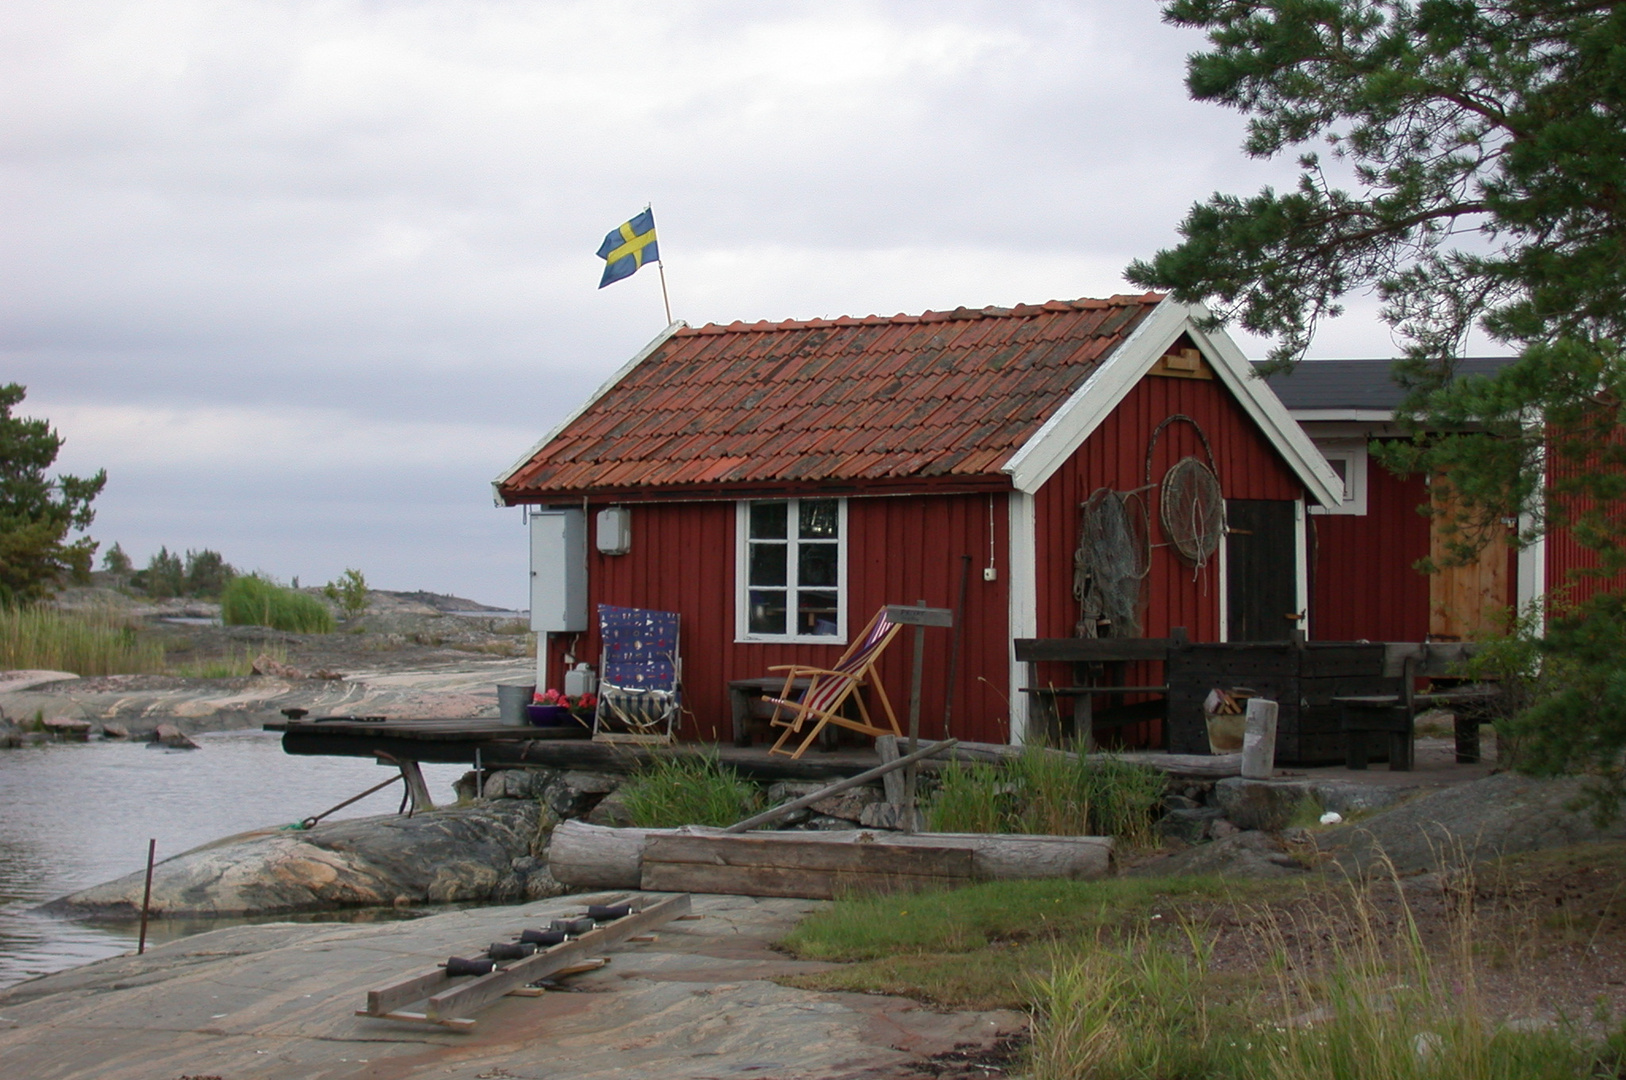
point(558, 571)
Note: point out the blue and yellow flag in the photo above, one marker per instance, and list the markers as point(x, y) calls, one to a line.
point(629, 247)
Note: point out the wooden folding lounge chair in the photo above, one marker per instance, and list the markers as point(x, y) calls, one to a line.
point(829, 688)
point(638, 697)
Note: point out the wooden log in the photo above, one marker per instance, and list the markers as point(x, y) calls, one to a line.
point(1194, 766)
point(757, 865)
point(586, 856)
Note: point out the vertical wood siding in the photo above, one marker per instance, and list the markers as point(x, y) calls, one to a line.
point(1363, 583)
point(1114, 456)
point(1571, 569)
point(899, 550)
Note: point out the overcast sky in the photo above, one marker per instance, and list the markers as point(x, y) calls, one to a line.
point(305, 275)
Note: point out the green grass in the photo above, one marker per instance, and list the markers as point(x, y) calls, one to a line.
point(688, 789)
point(255, 601)
point(1047, 793)
point(1119, 978)
point(83, 642)
point(234, 664)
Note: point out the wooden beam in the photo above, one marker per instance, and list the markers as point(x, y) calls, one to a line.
point(479, 993)
point(840, 786)
point(1091, 650)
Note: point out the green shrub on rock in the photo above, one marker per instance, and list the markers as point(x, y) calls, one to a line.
point(256, 601)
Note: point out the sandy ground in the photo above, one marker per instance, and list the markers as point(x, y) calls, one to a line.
point(277, 1001)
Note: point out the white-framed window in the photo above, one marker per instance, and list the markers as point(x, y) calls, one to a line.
point(1348, 459)
point(791, 570)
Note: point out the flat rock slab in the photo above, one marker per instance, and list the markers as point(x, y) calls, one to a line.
point(1500, 815)
point(442, 856)
point(275, 1002)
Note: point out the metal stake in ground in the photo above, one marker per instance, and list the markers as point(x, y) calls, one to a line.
point(918, 617)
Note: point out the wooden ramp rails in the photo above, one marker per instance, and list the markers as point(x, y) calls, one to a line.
point(450, 1001)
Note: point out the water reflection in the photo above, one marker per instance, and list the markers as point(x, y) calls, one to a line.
point(73, 815)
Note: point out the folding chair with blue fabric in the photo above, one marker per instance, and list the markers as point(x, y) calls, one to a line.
point(638, 692)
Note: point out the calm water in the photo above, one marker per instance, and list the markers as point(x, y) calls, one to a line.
point(77, 814)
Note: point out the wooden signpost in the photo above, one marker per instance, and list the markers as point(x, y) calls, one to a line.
point(919, 617)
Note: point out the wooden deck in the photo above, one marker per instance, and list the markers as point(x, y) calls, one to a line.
point(456, 741)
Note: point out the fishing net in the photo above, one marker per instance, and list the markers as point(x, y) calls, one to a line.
point(1114, 555)
point(1192, 510)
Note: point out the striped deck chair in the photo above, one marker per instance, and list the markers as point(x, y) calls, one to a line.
point(829, 688)
point(638, 696)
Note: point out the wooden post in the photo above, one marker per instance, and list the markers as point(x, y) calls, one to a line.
point(416, 786)
point(886, 748)
point(920, 616)
point(146, 897)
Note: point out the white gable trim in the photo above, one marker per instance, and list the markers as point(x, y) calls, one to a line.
point(625, 369)
point(1037, 460)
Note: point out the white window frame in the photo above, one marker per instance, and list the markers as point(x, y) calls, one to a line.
point(742, 588)
point(1353, 453)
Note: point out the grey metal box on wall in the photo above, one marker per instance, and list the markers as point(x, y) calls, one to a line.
point(558, 570)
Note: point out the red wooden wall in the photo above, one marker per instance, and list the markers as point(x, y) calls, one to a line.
point(1363, 585)
point(1114, 456)
point(900, 549)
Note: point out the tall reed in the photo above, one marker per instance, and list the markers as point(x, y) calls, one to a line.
point(94, 642)
point(256, 601)
point(1048, 793)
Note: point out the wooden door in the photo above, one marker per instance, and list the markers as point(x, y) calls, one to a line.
point(1261, 570)
point(1467, 602)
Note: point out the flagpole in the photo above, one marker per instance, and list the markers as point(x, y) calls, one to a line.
point(661, 266)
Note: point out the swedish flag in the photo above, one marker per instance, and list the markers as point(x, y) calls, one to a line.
point(629, 247)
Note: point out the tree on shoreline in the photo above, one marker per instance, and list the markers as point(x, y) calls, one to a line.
point(1483, 146)
point(38, 512)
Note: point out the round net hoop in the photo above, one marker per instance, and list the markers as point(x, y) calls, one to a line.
point(1192, 510)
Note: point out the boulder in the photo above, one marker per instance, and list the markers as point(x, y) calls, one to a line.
point(266, 664)
point(612, 811)
point(574, 794)
point(1251, 854)
point(515, 783)
point(115, 731)
point(1190, 824)
point(885, 815)
point(169, 735)
point(461, 855)
point(1260, 804)
point(848, 805)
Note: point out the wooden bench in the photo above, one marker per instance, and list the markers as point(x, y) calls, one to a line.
point(748, 701)
point(1394, 715)
point(1098, 671)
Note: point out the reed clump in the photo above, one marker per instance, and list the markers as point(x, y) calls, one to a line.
point(257, 601)
point(93, 642)
point(1042, 792)
point(688, 789)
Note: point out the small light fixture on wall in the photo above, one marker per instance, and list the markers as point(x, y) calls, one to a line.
point(614, 530)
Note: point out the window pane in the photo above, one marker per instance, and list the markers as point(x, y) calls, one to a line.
point(768, 520)
point(767, 611)
point(816, 613)
point(768, 564)
point(818, 519)
point(815, 565)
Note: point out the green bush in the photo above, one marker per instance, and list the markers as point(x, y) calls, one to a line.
point(85, 643)
point(255, 601)
point(349, 591)
point(1043, 792)
point(688, 789)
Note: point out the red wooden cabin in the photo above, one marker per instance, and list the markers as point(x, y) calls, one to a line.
point(784, 480)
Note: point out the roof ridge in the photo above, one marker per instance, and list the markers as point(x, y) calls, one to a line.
point(962, 313)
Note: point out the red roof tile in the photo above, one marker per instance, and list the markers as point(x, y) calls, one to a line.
point(944, 393)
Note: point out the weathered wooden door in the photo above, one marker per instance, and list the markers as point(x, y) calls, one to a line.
point(1261, 570)
point(1465, 602)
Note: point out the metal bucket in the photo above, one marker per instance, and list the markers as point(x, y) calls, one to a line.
point(511, 702)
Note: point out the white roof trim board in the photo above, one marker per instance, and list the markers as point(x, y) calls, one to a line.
point(1039, 458)
point(643, 354)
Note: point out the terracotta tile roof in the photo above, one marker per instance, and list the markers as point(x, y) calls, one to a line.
point(849, 401)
